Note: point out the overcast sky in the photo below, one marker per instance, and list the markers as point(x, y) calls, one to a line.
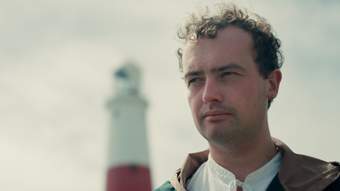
point(56, 64)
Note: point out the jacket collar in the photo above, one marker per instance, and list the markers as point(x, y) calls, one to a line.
point(301, 172)
point(297, 172)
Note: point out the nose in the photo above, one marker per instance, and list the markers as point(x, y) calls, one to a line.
point(211, 92)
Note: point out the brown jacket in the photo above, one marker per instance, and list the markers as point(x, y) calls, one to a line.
point(297, 172)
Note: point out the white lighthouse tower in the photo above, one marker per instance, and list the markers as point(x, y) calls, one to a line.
point(128, 148)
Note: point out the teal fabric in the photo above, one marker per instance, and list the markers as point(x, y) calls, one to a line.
point(165, 187)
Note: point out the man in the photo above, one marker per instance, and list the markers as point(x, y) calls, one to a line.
point(231, 65)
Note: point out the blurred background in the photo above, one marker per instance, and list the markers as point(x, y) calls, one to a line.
point(56, 65)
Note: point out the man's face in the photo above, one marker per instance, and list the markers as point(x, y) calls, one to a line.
point(227, 95)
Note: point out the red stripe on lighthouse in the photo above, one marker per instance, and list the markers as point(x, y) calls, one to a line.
point(128, 178)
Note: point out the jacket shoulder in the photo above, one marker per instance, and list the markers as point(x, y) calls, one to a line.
point(165, 187)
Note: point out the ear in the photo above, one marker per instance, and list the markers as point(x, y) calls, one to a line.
point(274, 80)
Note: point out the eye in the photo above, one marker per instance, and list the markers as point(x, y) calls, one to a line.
point(194, 81)
point(227, 73)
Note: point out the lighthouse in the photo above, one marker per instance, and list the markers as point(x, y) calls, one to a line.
point(128, 149)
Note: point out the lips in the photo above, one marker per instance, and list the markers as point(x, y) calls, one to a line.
point(216, 116)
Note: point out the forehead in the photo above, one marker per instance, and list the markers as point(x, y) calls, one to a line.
point(231, 45)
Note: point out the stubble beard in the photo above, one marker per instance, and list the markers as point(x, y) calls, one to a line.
point(218, 132)
point(229, 133)
point(225, 133)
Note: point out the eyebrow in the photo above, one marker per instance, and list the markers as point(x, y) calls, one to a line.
point(223, 68)
point(192, 73)
point(228, 67)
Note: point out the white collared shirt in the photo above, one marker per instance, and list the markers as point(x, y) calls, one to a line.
point(210, 176)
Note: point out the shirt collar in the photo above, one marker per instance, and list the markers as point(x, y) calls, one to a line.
point(254, 180)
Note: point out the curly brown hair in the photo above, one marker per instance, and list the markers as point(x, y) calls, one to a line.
point(268, 54)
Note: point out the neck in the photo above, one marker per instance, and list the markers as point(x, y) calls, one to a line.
point(244, 158)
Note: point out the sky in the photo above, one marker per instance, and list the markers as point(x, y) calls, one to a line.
point(56, 65)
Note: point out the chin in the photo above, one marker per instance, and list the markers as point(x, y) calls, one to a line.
point(221, 134)
point(215, 132)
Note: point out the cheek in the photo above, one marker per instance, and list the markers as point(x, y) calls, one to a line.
point(256, 97)
point(194, 103)
point(245, 96)
point(191, 102)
